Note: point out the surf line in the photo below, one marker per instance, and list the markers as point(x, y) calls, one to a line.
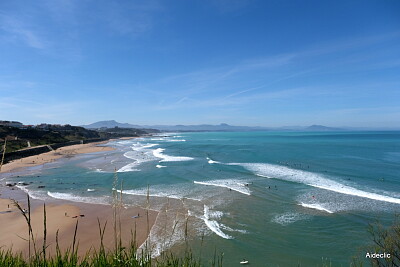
point(315, 206)
point(311, 179)
point(246, 192)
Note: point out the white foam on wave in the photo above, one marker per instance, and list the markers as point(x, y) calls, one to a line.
point(233, 230)
point(312, 179)
point(235, 185)
point(212, 224)
point(315, 206)
point(175, 140)
point(33, 194)
point(144, 193)
point(164, 158)
point(139, 146)
point(288, 218)
point(140, 154)
point(75, 198)
point(158, 192)
point(91, 190)
point(131, 167)
point(210, 161)
point(160, 166)
point(158, 139)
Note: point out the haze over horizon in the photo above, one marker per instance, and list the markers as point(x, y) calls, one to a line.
point(240, 62)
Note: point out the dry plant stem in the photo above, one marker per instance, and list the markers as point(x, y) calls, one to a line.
point(44, 230)
point(4, 153)
point(28, 221)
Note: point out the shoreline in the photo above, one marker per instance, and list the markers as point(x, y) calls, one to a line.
point(62, 152)
point(63, 215)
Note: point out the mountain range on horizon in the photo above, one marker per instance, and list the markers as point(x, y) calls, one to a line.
point(208, 127)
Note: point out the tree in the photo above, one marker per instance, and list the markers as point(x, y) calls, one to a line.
point(386, 240)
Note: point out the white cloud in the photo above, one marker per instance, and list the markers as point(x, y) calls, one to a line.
point(17, 29)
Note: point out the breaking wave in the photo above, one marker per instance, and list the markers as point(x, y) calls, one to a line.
point(159, 154)
point(235, 185)
point(212, 224)
point(311, 179)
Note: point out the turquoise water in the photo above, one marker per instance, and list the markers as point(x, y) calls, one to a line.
point(273, 198)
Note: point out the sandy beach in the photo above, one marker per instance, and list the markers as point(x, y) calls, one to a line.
point(63, 215)
point(63, 218)
point(48, 157)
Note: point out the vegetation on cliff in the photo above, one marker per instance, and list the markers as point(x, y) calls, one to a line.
point(45, 134)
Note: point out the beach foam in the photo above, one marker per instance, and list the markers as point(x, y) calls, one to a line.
point(159, 154)
point(163, 191)
point(315, 206)
point(235, 185)
point(33, 193)
point(212, 224)
point(143, 192)
point(288, 218)
point(233, 230)
point(75, 198)
point(312, 179)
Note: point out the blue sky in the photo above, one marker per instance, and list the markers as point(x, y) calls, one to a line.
point(242, 62)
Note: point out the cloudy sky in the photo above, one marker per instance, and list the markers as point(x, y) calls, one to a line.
point(242, 62)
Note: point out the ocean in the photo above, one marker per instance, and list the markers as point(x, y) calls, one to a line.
point(272, 198)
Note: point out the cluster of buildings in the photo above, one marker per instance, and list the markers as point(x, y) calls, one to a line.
point(16, 124)
point(43, 126)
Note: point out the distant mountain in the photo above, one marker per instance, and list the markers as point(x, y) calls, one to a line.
point(184, 128)
point(223, 127)
point(110, 124)
point(321, 128)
